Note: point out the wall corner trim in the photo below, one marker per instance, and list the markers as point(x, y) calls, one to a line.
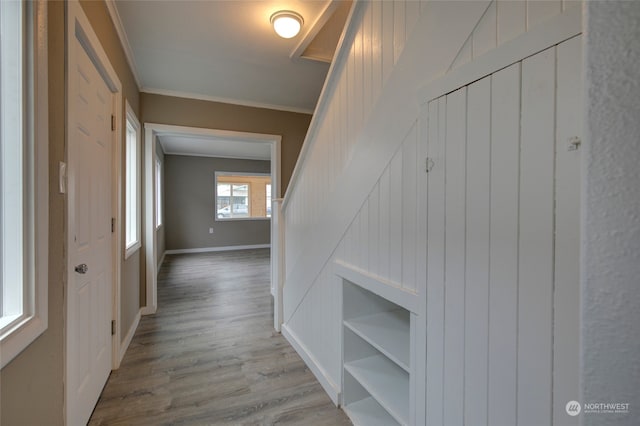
point(161, 260)
point(128, 337)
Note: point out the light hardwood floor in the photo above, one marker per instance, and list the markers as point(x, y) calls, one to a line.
point(210, 355)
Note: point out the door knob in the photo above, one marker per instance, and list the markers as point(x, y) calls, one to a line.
point(82, 269)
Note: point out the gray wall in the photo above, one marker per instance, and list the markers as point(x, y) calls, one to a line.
point(292, 126)
point(190, 204)
point(610, 282)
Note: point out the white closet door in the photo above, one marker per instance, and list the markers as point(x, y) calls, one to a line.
point(503, 245)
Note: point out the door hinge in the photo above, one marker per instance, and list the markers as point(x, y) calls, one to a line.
point(113, 224)
point(113, 327)
point(113, 122)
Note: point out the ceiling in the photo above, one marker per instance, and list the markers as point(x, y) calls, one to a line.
point(227, 50)
point(211, 146)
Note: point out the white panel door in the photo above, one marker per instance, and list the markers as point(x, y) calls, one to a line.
point(90, 278)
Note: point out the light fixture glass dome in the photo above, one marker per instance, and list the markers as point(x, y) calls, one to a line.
point(286, 23)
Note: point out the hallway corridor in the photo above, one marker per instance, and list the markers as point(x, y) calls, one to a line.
point(210, 356)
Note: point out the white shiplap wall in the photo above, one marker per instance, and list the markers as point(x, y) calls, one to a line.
point(502, 249)
point(505, 20)
point(385, 236)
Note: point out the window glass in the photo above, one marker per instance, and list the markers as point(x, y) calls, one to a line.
point(132, 184)
point(242, 196)
point(159, 190)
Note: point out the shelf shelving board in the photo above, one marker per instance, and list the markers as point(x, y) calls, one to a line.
point(386, 382)
point(386, 331)
point(367, 412)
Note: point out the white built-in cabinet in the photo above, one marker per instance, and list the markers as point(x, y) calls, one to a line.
point(377, 347)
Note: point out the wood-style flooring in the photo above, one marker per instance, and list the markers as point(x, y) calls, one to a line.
point(210, 355)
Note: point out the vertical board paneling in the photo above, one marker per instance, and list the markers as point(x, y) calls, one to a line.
point(376, 49)
point(487, 212)
point(367, 58)
point(385, 220)
point(435, 261)
point(399, 28)
point(419, 355)
point(363, 258)
point(344, 126)
point(412, 14)
point(485, 34)
point(354, 231)
point(511, 19)
point(566, 332)
point(465, 55)
point(348, 243)
point(539, 11)
point(477, 251)
point(374, 230)
point(335, 141)
point(503, 246)
point(454, 257)
point(351, 98)
point(358, 82)
point(409, 206)
point(568, 4)
point(387, 39)
point(535, 267)
point(395, 218)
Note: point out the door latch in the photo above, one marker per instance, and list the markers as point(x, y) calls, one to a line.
point(82, 269)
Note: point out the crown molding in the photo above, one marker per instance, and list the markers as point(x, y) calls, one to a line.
point(124, 40)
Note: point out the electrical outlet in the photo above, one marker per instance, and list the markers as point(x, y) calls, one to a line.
point(211, 230)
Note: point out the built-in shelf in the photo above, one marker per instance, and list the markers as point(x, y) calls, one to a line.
point(367, 412)
point(386, 331)
point(386, 382)
point(376, 356)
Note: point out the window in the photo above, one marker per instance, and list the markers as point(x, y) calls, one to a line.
point(268, 196)
point(158, 192)
point(24, 177)
point(242, 196)
point(132, 184)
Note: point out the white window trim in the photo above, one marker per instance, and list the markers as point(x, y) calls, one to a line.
point(34, 320)
point(159, 189)
point(134, 246)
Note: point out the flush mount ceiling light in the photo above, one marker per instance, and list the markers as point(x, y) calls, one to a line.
point(286, 23)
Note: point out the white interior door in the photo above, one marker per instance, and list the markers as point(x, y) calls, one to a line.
point(89, 303)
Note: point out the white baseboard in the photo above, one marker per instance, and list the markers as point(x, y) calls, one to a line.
point(127, 339)
point(209, 249)
point(148, 310)
point(329, 387)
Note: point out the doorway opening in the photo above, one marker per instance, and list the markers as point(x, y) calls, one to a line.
point(200, 142)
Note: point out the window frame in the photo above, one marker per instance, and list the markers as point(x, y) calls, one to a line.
point(132, 202)
point(21, 329)
point(215, 201)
